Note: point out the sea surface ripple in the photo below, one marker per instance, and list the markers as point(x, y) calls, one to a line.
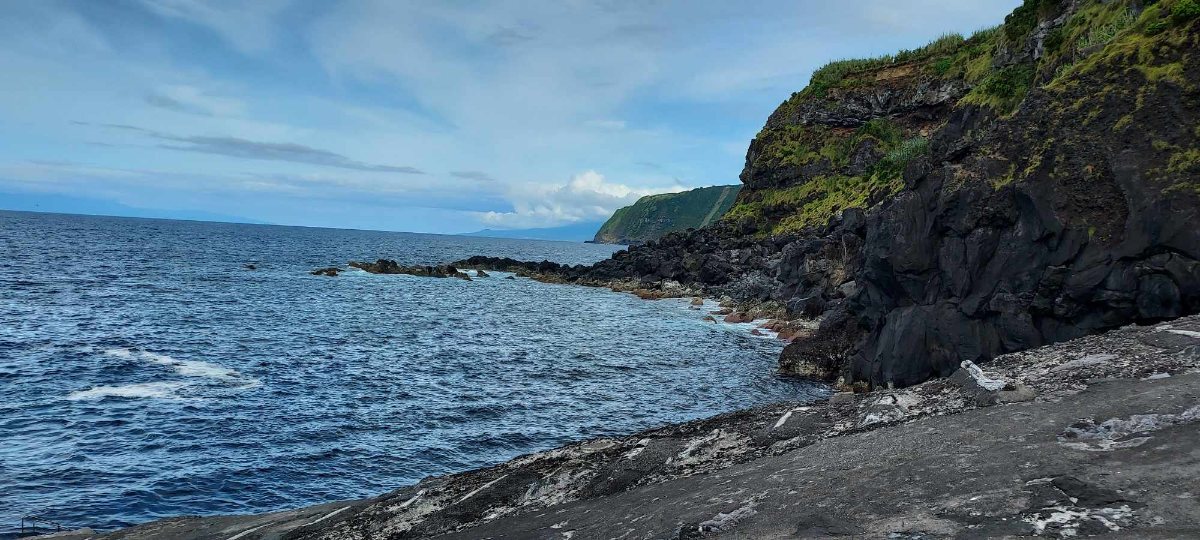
point(146, 373)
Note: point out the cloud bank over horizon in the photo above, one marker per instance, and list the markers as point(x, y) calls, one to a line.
point(586, 197)
point(422, 116)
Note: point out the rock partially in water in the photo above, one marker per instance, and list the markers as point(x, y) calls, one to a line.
point(389, 266)
point(332, 271)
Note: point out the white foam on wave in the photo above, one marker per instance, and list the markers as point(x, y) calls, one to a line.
point(187, 368)
point(749, 328)
point(153, 390)
point(164, 389)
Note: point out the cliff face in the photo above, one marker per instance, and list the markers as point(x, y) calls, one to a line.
point(653, 216)
point(1030, 184)
point(1070, 211)
point(1033, 183)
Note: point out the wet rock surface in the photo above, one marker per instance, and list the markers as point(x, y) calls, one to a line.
point(993, 452)
point(388, 266)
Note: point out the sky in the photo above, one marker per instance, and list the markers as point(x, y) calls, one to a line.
point(427, 116)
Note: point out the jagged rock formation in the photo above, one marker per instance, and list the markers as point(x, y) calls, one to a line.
point(1072, 212)
point(1033, 183)
point(653, 216)
point(389, 266)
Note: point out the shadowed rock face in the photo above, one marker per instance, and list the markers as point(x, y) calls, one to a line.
point(1060, 220)
point(1090, 235)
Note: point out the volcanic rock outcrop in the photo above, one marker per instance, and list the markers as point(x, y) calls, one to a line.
point(389, 266)
point(1032, 183)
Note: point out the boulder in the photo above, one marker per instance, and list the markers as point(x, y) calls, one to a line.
point(736, 318)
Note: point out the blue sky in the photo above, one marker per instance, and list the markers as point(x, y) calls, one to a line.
point(420, 116)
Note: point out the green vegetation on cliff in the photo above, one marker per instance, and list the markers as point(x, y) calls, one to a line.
point(653, 216)
point(886, 145)
point(845, 140)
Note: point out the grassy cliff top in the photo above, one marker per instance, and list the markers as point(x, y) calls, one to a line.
point(820, 153)
point(653, 216)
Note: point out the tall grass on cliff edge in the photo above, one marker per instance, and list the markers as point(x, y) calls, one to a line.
point(833, 73)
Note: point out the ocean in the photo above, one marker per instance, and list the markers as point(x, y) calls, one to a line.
point(146, 372)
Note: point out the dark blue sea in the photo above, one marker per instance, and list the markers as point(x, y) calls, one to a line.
point(145, 372)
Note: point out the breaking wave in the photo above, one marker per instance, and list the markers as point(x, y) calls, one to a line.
point(187, 368)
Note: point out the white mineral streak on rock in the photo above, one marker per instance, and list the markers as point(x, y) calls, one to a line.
point(481, 488)
point(1069, 519)
point(890, 408)
point(788, 416)
point(1122, 433)
point(983, 380)
point(708, 448)
point(246, 532)
point(727, 521)
point(637, 450)
point(327, 516)
point(414, 498)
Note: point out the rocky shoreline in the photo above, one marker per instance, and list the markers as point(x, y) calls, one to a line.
point(1117, 413)
point(770, 316)
point(975, 224)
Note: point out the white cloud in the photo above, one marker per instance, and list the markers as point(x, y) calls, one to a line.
point(478, 94)
point(586, 197)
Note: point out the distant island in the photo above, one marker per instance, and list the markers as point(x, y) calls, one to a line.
point(653, 216)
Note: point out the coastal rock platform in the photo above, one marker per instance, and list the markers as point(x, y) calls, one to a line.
point(1095, 436)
